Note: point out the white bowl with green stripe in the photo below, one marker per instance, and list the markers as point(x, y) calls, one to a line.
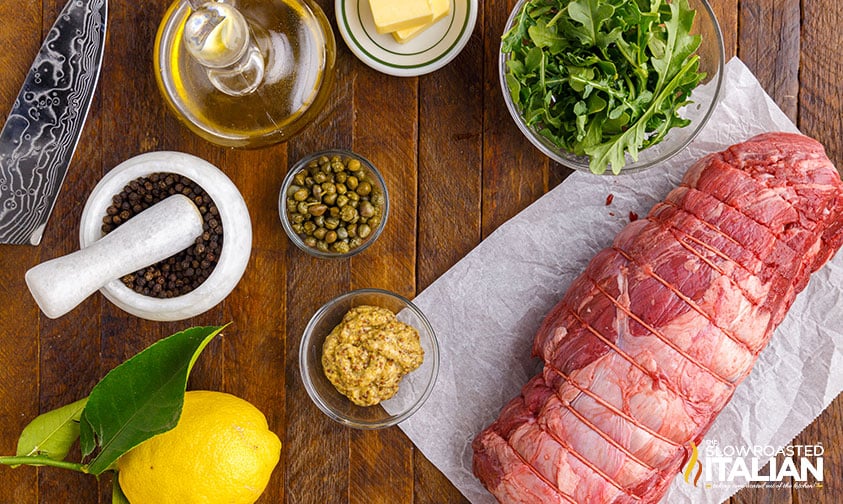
point(425, 53)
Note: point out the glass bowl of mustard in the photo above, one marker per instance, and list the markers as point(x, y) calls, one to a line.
point(360, 346)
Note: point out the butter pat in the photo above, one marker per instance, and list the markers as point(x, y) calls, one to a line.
point(440, 10)
point(392, 15)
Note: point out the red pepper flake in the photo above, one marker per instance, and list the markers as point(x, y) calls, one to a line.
point(611, 214)
point(609, 199)
point(633, 216)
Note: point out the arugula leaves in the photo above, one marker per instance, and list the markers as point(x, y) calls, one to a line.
point(602, 78)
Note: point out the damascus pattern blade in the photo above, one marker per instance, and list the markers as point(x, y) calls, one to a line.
point(41, 132)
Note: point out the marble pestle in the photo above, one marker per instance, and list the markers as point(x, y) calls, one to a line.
point(168, 227)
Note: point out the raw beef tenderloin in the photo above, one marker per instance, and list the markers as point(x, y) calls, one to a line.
point(649, 343)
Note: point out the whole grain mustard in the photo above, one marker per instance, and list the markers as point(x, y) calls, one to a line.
point(368, 353)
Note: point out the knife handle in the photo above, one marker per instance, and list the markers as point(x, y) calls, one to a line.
point(160, 231)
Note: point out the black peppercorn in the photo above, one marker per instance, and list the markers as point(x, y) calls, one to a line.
point(186, 270)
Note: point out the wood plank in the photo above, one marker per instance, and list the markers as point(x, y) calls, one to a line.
point(820, 102)
point(69, 360)
point(514, 172)
point(820, 95)
point(317, 448)
point(317, 463)
point(19, 316)
point(450, 191)
point(255, 343)
point(381, 461)
point(769, 45)
point(134, 122)
point(727, 14)
point(450, 161)
point(827, 430)
point(387, 136)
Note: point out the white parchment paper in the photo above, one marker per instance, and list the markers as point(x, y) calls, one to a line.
point(486, 309)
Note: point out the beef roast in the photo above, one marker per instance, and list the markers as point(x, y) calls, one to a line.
point(649, 343)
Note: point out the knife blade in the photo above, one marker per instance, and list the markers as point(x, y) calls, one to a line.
point(41, 132)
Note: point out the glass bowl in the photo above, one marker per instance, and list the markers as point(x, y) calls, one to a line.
point(712, 61)
point(415, 387)
point(378, 187)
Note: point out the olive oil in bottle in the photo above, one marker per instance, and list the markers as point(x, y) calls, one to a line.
point(247, 73)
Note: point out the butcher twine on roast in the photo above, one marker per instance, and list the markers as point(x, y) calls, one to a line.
point(649, 343)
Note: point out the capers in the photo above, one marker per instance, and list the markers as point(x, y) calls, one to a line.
point(367, 209)
point(300, 195)
point(341, 247)
point(377, 199)
point(317, 210)
point(334, 204)
point(348, 213)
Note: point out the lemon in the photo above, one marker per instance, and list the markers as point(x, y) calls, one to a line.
point(221, 451)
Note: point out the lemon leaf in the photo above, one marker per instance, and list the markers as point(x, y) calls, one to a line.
point(140, 398)
point(117, 495)
point(51, 434)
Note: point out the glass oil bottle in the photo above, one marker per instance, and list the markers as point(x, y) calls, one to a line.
point(245, 73)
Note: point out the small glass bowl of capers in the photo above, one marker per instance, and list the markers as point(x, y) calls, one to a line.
point(333, 203)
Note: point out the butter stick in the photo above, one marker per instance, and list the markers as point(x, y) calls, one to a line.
point(393, 15)
point(441, 8)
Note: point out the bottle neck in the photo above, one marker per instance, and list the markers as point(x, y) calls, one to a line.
point(219, 38)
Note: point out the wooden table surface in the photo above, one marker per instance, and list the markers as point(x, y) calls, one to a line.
point(456, 167)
